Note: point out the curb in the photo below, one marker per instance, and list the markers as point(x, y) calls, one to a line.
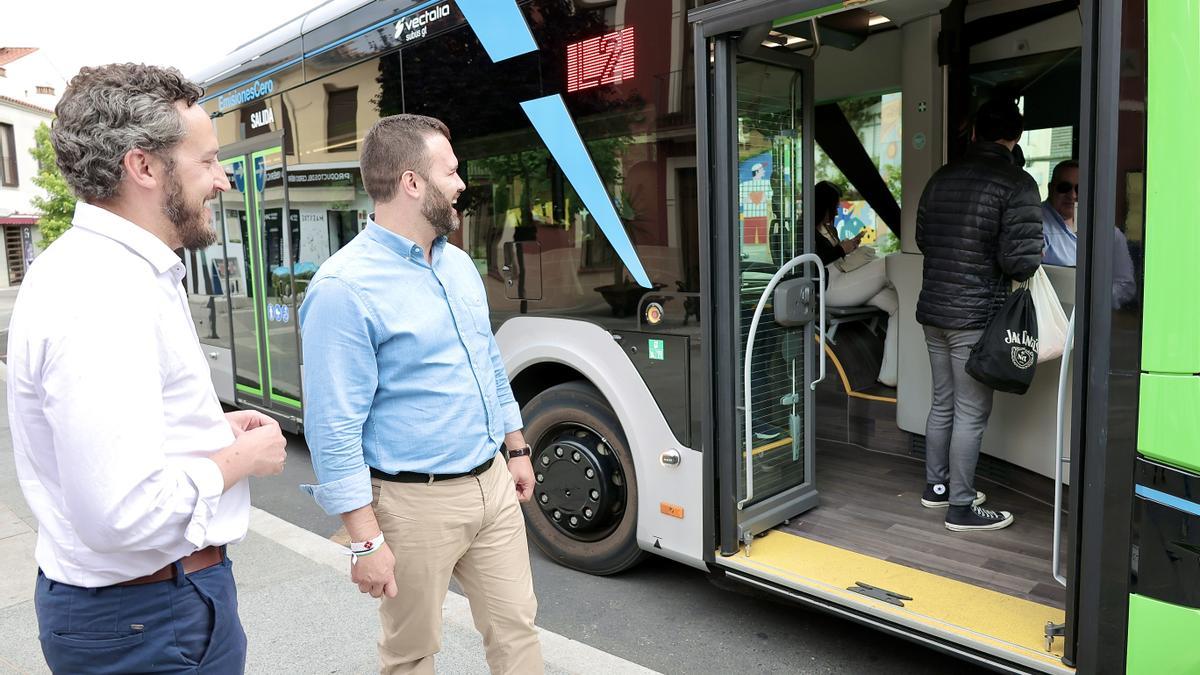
point(559, 651)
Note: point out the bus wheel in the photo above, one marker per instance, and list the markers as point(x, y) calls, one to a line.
point(584, 509)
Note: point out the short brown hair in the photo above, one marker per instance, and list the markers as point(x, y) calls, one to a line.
point(394, 145)
point(110, 110)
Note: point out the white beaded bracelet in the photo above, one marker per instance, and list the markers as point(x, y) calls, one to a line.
point(359, 549)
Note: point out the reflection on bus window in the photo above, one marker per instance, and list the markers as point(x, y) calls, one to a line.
point(876, 121)
point(207, 278)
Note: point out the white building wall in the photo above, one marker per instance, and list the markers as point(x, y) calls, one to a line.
point(24, 121)
point(23, 76)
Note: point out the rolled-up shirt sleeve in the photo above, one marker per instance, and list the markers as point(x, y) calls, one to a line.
point(508, 403)
point(341, 375)
point(120, 491)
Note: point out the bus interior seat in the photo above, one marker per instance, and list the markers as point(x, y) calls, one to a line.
point(836, 316)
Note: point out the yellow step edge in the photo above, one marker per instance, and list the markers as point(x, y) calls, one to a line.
point(978, 616)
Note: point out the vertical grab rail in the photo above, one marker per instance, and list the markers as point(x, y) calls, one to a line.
point(762, 302)
point(1059, 460)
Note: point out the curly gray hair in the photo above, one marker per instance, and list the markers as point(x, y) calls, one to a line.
point(110, 110)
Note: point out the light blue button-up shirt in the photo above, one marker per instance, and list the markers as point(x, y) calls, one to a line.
point(402, 372)
point(1061, 242)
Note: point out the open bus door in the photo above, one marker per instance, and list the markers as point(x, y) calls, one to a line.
point(757, 143)
point(261, 286)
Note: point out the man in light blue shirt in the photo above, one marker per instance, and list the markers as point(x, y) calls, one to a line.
point(1059, 229)
point(407, 406)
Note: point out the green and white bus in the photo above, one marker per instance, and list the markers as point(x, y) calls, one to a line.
point(639, 174)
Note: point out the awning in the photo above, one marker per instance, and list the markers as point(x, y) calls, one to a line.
point(19, 220)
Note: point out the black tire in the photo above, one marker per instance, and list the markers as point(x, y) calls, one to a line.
point(613, 548)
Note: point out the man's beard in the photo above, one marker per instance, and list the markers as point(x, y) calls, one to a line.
point(191, 221)
point(439, 212)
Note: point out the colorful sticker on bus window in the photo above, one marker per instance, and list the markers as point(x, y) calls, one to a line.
point(239, 176)
point(655, 350)
point(754, 197)
point(260, 172)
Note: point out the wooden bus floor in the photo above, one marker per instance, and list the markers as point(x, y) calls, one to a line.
point(870, 503)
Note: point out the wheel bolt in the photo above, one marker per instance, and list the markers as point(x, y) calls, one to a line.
point(595, 495)
point(540, 478)
point(557, 514)
point(587, 513)
point(545, 461)
point(575, 456)
point(545, 498)
point(589, 473)
point(574, 521)
point(558, 451)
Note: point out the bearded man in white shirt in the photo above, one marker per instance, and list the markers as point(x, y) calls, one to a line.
point(135, 475)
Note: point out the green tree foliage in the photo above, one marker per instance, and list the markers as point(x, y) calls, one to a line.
point(58, 208)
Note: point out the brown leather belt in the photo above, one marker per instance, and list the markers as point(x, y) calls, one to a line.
point(200, 560)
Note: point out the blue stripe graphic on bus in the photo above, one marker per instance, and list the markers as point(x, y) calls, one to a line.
point(499, 26)
point(554, 124)
point(1165, 499)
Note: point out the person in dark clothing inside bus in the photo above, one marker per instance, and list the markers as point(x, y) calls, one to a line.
point(979, 225)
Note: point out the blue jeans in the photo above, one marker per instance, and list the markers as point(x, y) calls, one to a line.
point(186, 625)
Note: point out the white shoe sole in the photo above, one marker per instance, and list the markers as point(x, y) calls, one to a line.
point(982, 528)
point(979, 499)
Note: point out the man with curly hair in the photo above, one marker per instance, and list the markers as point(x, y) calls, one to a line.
point(135, 475)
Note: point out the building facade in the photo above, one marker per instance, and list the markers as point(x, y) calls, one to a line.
point(29, 89)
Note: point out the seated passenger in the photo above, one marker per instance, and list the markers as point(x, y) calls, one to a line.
point(1059, 231)
point(852, 283)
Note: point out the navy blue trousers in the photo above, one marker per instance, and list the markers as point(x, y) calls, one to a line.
point(186, 625)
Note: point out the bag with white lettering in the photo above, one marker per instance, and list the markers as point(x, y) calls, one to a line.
point(1007, 353)
point(1051, 319)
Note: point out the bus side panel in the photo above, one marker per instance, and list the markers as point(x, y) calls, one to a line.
point(592, 351)
point(1162, 637)
point(1164, 609)
point(1171, 330)
point(220, 361)
point(1167, 432)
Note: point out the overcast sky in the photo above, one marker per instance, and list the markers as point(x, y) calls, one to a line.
point(75, 33)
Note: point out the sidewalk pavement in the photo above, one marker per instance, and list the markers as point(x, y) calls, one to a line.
point(300, 611)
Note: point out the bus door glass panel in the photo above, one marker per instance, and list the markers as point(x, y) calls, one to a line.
point(278, 226)
point(239, 272)
point(769, 142)
point(205, 283)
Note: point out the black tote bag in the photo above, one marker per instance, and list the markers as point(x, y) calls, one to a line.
point(1006, 355)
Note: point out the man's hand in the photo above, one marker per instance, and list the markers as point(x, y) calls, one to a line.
point(242, 421)
point(376, 573)
point(522, 472)
point(259, 448)
point(265, 448)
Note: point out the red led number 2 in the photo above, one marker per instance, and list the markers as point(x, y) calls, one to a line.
point(606, 59)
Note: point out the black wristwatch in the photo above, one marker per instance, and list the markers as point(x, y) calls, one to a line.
point(520, 452)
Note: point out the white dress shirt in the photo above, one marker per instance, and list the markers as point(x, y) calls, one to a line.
point(112, 409)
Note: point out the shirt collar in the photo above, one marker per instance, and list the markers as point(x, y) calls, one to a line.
point(400, 244)
point(137, 239)
point(1049, 209)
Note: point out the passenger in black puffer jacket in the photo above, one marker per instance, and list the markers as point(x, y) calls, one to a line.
point(979, 224)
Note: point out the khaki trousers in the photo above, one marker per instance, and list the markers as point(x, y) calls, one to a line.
point(470, 529)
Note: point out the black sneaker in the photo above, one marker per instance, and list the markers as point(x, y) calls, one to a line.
point(969, 518)
point(938, 497)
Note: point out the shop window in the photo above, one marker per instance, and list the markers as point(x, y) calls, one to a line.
point(341, 122)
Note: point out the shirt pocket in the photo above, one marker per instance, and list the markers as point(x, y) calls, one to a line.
point(478, 310)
